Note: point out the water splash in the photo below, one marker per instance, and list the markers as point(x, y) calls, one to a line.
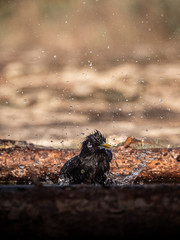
point(122, 179)
point(62, 181)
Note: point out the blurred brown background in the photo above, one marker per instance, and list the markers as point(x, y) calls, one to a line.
point(68, 67)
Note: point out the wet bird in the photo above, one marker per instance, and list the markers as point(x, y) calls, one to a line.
point(91, 165)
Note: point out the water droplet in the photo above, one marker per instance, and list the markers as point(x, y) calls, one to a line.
point(54, 56)
point(82, 171)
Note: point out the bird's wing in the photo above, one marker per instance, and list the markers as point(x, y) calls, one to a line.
point(75, 170)
point(70, 165)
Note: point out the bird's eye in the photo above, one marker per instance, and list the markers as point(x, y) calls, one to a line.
point(89, 145)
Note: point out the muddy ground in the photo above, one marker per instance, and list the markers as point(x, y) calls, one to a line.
point(59, 107)
point(67, 68)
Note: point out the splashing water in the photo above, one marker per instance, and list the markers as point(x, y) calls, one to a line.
point(62, 181)
point(121, 179)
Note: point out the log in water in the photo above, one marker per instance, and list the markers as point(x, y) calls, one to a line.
point(156, 164)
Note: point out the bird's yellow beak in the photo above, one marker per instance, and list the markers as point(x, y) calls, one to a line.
point(106, 145)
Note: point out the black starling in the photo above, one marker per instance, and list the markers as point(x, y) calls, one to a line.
point(91, 164)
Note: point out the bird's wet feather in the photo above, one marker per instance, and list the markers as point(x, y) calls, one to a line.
point(91, 164)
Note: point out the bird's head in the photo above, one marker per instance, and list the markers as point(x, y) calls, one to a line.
point(94, 143)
